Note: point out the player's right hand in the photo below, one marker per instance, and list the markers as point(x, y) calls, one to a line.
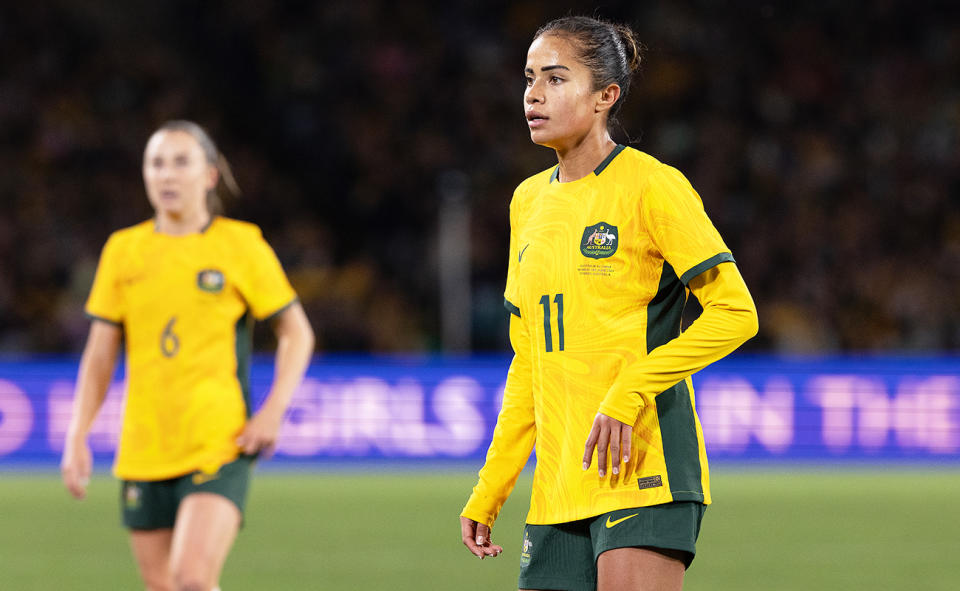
point(75, 467)
point(476, 537)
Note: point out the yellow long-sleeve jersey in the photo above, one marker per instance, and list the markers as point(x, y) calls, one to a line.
point(599, 273)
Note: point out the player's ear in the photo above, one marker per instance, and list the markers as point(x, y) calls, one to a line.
point(607, 97)
point(213, 175)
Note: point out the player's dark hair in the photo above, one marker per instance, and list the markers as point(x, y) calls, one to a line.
point(215, 158)
point(611, 51)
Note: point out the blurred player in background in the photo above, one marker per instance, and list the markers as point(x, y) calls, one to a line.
point(604, 248)
point(182, 290)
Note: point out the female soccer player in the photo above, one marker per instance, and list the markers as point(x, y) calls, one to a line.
point(604, 248)
point(182, 289)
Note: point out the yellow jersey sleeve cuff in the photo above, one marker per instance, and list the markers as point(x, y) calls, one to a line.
point(622, 404)
point(102, 318)
point(271, 315)
point(478, 509)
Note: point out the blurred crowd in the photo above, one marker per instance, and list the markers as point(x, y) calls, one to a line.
point(823, 137)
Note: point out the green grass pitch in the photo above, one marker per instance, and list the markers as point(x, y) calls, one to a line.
point(770, 530)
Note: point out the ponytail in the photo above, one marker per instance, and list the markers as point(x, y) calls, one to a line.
point(632, 47)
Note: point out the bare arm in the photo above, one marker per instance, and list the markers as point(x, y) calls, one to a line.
point(295, 342)
point(96, 369)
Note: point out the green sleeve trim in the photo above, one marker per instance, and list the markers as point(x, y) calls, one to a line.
point(102, 319)
point(280, 310)
point(606, 161)
point(723, 257)
point(511, 308)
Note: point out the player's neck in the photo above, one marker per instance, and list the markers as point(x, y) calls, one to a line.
point(181, 225)
point(582, 158)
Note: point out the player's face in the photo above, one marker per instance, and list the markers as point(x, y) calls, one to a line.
point(176, 174)
point(559, 102)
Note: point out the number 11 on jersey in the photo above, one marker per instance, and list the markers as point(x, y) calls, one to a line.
point(547, 333)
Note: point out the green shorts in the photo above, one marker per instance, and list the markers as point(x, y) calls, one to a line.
point(153, 504)
point(564, 556)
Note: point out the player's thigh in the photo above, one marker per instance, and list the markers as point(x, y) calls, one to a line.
point(209, 515)
point(151, 550)
point(640, 569)
point(207, 525)
point(646, 548)
point(558, 556)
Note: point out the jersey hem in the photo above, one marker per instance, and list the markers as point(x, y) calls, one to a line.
point(723, 257)
point(689, 495)
point(511, 307)
point(681, 497)
point(151, 474)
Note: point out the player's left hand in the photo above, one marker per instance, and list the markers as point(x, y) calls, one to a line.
point(259, 435)
point(608, 433)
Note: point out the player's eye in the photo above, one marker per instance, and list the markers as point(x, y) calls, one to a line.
point(181, 161)
point(528, 80)
point(555, 79)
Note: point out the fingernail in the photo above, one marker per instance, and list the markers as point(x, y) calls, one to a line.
point(626, 459)
point(616, 469)
point(602, 473)
point(585, 465)
point(479, 540)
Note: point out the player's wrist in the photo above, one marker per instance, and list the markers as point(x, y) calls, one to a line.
point(75, 437)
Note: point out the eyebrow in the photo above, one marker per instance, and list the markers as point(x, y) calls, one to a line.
point(548, 68)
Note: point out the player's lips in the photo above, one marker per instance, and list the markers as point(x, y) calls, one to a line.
point(168, 194)
point(536, 119)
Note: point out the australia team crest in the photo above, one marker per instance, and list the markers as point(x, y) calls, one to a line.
point(210, 280)
point(599, 241)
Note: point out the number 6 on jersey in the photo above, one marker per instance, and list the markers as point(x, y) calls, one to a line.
point(169, 341)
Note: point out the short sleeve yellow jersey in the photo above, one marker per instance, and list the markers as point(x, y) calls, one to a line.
point(596, 281)
point(186, 305)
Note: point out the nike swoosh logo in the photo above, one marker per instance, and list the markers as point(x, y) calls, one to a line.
point(520, 258)
point(619, 521)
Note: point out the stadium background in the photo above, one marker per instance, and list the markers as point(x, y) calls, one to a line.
point(378, 146)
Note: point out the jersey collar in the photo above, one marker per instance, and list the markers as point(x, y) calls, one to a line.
point(596, 171)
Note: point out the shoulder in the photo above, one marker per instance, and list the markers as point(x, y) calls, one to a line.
point(537, 181)
point(237, 232)
point(235, 227)
point(531, 186)
point(124, 239)
point(132, 232)
point(636, 168)
point(654, 180)
point(653, 170)
point(641, 160)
